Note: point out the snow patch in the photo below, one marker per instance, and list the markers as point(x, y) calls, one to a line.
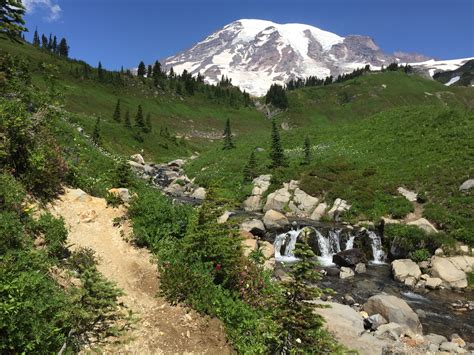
point(453, 80)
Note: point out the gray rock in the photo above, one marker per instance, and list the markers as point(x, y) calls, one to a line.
point(319, 211)
point(405, 268)
point(390, 330)
point(224, 217)
point(395, 310)
point(138, 158)
point(346, 273)
point(338, 208)
point(302, 204)
point(375, 321)
point(424, 224)
point(409, 195)
point(449, 347)
point(433, 348)
point(277, 200)
point(360, 268)
point(275, 220)
point(435, 339)
point(467, 185)
point(433, 282)
point(249, 245)
point(253, 203)
point(199, 193)
point(448, 272)
point(254, 226)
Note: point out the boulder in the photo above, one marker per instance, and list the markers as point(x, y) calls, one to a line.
point(178, 163)
point(360, 268)
point(346, 272)
point(261, 184)
point(395, 310)
point(375, 321)
point(456, 339)
point(138, 158)
point(449, 347)
point(435, 339)
point(275, 220)
point(122, 193)
point(433, 282)
point(319, 211)
point(463, 262)
point(347, 326)
point(254, 226)
point(424, 224)
point(253, 203)
point(337, 208)
point(390, 330)
point(224, 217)
point(199, 193)
point(249, 245)
point(277, 200)
point(349, 258)
point(466, 185)
point(409, 195)
point(448, 272)
point(302, 203)
point(405, 268)
point(267, 249)
point(79, 195)
point(292, 185)
point(175, 189)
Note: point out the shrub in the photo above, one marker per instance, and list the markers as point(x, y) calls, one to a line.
point(12, 194)
point(55, 234)
point(420, 255)
point(12, 234)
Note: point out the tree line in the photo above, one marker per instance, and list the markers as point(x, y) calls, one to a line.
point(51, 44)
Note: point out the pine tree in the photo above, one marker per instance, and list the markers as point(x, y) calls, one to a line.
point(100, 72)
point(139, 121)
point(44, 41)
point(117, 115)
point(250, 168)
point(148, 126)
point(149, 72)
point(127, 123)
point(54, 47)
point(307, 150)
point(96, 137)
point(302, 327)
point(50, 42)
point(228, 143)
point(123, 174)
point(36, 39)
point(141, 69)
point(63, 48)
point(277, 154)
point(11, 18)
point(277, 97)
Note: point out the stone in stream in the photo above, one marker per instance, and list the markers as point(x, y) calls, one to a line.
point(395, 310)
point(449, 347)
point(302, 203)
point(319, 211)
point(275, 220)
point(455, 338)
point(405, 268)
point(346, 273)
point(448, 272)
point(349, 258)
point(375, 321)
point(360, 268)
point(254, 226)
point(433, 282)
point(435, 339)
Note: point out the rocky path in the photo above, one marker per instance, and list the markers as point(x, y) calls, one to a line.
point(161, 328)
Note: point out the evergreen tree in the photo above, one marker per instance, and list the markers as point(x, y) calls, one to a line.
point(44, 41)
point(96, 137)
point(63, 48)
point(149, 72)
point(117, 115)
point(139, 121)
point(50, 42)
point(277, 154)
point(141, 69)
point(11, 18)
point(123, 174)
point(250, 168)
point(171, 74)
point(307, 150)
point(54, 47)
point(127, 123)
point(228, 143)
point(302, 327)
point(36, 39)
point(277, 97)
point(100, 72)
point(148, 126)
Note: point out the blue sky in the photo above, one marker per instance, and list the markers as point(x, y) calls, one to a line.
point(120, 32)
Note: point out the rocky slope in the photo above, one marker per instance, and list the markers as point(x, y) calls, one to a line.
point(257, 53)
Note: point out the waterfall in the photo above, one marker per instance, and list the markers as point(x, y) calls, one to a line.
point(334, 241)
point(280, 241)
point(326, 249)
point(377, 251)
point(350, 242)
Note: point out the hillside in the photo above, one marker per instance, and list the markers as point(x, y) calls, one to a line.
point(462, 76)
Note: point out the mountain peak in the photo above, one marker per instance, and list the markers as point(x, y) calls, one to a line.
point(257, 53)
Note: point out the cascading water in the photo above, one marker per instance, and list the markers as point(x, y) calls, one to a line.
point(328, 246)
point(290, 239)
point(350, 242)
point(377, 251)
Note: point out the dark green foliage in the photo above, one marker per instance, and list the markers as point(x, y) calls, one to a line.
point(54, 233)
point(307, 151)
point(141, 71)
point(277, 154)
point(303, 332)
point(117, 114)
point(228, 142)
point(139, 121)
point(250, 169)
point(277, 97)
point(12, 194)
point(420, 255)
point(100, 72)
point(127, 123)
point(148, 127)
point(96, 134)
point(11, 18)
point(63, 48)
point(11, 232)
point(36, 39)
point(124, 174)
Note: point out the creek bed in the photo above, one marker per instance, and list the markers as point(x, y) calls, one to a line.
point(439, 317)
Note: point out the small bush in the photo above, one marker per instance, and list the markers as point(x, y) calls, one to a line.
point(12, 233)
point(420, 255)
point(55, 234)
point(12, 194)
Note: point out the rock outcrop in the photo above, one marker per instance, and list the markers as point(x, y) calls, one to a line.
point(275, 220)
point(448, 271)
point(405, 268)
point(278, 200)
point(260, 186)
point(394, 310)
point(349, 258)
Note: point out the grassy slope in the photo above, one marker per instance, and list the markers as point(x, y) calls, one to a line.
point(188, 116)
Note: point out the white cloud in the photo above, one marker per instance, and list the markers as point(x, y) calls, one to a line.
point(54, 10)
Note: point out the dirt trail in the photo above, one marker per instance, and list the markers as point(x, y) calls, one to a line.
point(162, 328)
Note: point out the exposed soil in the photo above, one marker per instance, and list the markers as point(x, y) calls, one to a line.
point(161, 327)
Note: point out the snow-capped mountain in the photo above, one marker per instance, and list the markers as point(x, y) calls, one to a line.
point(257, 53)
